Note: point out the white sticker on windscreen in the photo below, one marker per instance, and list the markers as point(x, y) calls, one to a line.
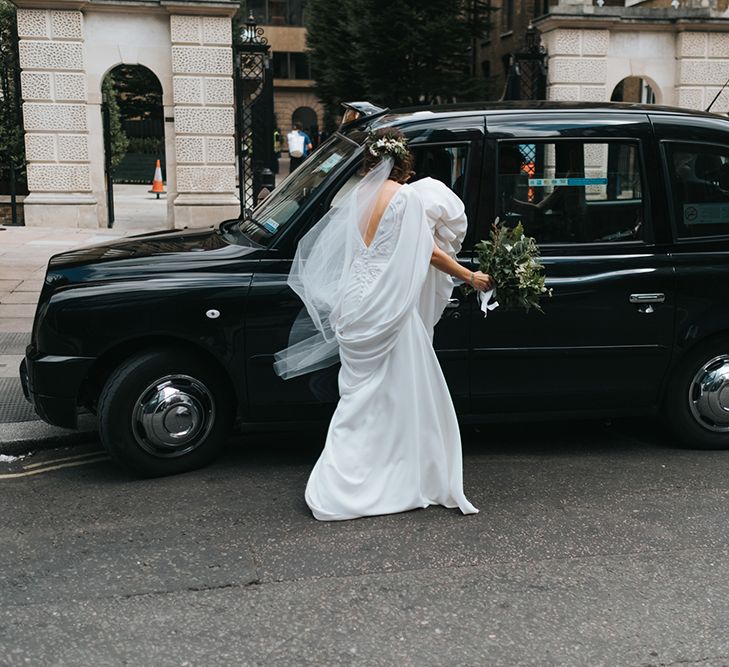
point(270, 225)
point(326, 166)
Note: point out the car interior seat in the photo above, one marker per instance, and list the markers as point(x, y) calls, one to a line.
point(436, 163)
point(699, 178)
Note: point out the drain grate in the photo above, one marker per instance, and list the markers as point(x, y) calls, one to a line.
point(13, 406)
point(14, 343)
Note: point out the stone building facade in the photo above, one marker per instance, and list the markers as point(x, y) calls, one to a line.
point(66, 49)
point(681, 52)
point(679, 49)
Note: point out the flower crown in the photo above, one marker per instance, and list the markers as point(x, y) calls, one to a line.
point(394, 146)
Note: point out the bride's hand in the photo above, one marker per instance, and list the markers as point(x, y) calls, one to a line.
point(482, 281)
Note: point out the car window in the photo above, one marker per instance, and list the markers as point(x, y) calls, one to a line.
point(275, 212)
point(699, 176)
point(445, 163)
point(571, 191)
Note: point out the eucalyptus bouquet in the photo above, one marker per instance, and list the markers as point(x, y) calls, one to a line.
point(512, 260)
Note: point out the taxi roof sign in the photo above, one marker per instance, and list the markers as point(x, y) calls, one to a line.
point(356, 110)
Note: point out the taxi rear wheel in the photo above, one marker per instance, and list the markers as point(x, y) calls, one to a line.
point(697, 403)
point(163, 412)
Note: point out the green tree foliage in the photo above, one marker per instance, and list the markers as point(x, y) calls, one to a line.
point(395, 53)
point(329, 40)
point(138, 93)
point(119, 140)
point(11, 120)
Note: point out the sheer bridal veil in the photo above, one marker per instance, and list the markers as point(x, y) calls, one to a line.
point(319, 275)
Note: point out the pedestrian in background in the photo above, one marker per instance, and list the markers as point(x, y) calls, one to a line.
point(299, 146)
point(277, 146)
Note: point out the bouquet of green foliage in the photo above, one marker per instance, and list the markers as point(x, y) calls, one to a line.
point(512, 260)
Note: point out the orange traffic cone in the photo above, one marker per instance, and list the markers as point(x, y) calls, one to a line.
point(158, 186)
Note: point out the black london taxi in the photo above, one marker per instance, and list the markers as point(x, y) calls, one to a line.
point(169, 337)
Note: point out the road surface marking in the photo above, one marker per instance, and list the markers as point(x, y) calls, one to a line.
point(38, 471)
point(98, 452)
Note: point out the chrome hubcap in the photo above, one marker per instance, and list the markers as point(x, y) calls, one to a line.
point(172, 416)
point(709, 394)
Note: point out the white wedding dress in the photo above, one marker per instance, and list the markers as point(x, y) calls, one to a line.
point(393, 443)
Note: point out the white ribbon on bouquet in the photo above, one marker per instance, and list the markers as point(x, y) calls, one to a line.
point(485, 301)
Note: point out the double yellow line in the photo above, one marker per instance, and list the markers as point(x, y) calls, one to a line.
point(56, 464)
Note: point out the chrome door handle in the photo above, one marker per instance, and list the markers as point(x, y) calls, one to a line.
point(453, 303)
point(651, 297)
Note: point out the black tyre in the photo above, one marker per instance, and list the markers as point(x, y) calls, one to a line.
point(697, 402)
point(163, 412)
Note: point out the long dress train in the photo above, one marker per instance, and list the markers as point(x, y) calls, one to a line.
point(393, 443)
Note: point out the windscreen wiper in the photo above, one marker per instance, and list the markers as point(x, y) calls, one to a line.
point(250, 219)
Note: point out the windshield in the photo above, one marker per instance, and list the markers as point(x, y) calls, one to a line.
point(273, 214)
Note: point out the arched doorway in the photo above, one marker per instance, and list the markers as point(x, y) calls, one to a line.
point(133, 141)
point(634, 89)
point(307, 117)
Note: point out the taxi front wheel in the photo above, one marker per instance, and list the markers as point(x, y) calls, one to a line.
point(163, 412)
point(697, 403)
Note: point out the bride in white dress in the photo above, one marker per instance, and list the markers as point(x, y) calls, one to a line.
point(374, 275)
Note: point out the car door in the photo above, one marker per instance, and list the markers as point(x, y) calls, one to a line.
point(452, 155)
point(603, 342)
point(696, 161)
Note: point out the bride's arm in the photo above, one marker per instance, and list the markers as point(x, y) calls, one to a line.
point(444, 262)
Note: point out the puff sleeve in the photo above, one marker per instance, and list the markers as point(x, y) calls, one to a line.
point(446, 218)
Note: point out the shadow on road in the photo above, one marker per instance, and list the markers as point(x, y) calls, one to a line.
point(563, 438)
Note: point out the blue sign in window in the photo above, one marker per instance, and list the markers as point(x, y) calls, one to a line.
point(537, 182)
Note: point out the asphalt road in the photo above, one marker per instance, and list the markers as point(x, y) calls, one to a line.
point(595, 545)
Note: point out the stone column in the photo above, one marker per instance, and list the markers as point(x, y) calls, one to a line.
point(702, 68)
point(202, 72)
point(55, 116)
point(577, 64)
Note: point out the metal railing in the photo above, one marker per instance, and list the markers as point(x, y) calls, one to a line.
point(12, 183)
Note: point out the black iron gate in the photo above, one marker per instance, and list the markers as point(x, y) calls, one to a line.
point(108, 169)
point(527, 77)
point(13, 174)
point(12, 185)
point(254, 114)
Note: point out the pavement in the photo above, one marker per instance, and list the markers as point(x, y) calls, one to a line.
point(137, 210)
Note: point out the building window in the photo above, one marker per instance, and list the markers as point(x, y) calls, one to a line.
point(258, 8)
point(277, 12)
point(300, 66)
point(291, 65)
point(295, 12)
point(507, 16)
point(281, 66)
